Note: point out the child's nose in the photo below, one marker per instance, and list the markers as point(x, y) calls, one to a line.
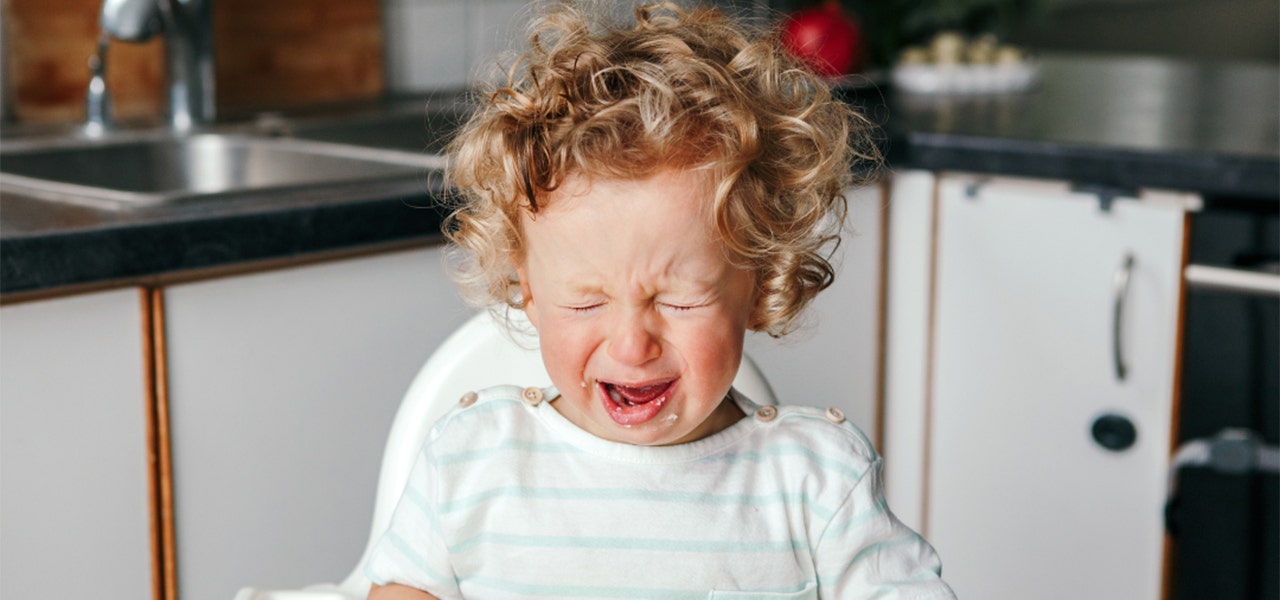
point(633, 341)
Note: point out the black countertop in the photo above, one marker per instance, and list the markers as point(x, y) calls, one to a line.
point(1119, 123)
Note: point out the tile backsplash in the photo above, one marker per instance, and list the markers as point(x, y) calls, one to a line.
point(267, 55)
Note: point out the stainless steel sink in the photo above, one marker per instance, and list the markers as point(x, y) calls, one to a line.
point(417, 133)
point(138, 172)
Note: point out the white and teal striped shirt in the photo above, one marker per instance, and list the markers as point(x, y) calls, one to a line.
point(509, 500)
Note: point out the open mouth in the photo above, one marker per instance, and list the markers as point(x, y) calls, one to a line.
point(634, 404)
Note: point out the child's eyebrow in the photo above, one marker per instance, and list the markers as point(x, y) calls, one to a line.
point(682, 289)
point(580, 289)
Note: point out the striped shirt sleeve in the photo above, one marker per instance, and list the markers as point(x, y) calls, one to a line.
point(412, 551)
point(866, 552)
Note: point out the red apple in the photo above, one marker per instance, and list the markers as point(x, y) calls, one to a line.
point(824, 39)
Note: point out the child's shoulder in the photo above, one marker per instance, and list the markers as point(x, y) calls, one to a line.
point(479, 409)
point(817, 450)
point(820, 429)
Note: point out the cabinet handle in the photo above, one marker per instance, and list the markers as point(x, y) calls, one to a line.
point(1120, 292)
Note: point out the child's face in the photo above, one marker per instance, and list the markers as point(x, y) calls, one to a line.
point(632, 294)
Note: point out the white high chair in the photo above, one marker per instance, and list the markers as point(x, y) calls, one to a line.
point(479, 354)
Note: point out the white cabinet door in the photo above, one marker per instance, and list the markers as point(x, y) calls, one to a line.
point(282, 388)
point(1022, 502)
point(75, 520)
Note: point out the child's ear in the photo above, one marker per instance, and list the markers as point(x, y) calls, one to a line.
point(526, 296)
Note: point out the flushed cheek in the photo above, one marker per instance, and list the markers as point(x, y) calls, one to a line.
point(716, 357)
point(566, 359)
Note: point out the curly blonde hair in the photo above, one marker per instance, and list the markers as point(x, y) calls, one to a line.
point(689, 89)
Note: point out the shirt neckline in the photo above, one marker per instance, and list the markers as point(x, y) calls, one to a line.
point(620, 451)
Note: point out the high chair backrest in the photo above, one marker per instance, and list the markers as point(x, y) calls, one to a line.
point(484, 352)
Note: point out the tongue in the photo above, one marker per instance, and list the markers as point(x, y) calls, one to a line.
point(640, 395)
point(629, 406)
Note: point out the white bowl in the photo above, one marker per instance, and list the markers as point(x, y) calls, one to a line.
point(965, 79)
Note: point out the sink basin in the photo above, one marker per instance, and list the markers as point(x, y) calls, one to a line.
point(416, 133)
point(205, 166)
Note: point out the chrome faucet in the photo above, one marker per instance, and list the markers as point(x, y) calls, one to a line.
point(187, 26)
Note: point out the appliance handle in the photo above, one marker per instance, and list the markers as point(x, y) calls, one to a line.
point(1232, 280)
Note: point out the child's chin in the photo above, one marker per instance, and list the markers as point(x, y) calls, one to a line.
point(642, 435)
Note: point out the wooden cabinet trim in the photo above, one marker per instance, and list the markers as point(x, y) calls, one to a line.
point(935, 219)
point(159, 457)
point(1169, 568)
point(881, 316)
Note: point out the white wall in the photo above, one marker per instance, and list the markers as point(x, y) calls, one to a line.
point(834, 359)
point(447, 44)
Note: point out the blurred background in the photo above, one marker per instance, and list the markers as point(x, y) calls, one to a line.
point(1031, 146)
point(300, 52)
